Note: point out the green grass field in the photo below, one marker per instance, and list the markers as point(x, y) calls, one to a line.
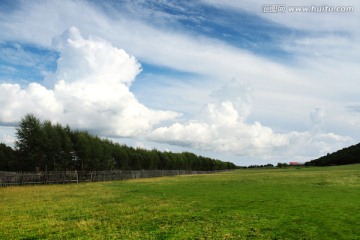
point(296, 203)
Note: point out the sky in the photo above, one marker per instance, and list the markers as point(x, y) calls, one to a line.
point(251, 82)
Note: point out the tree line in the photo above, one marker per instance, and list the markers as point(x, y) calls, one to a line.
point(348, 155)
point(44, 146)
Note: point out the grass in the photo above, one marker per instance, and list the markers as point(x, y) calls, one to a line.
point(306, 203)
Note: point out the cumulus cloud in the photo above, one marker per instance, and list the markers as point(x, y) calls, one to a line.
point(35, 98)
point(222, 126)
point(213, 61)
point(282, 93)
point(90, 89)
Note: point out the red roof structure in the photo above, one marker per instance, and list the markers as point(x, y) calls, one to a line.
point(293, 163)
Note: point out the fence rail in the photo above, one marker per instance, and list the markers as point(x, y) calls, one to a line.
point(65, 177)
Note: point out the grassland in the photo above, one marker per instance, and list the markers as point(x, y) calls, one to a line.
point(305, 203)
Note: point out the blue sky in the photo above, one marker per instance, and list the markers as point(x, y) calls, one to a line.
point(219, 78)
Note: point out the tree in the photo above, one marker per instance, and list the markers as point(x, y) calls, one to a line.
point(121, 157)
point(66, 155)
point(7, 158)
point(30, 143)
point(82, 148)
point(44, 146)
point(348, 155)
point(282, 165)
point(52, 148)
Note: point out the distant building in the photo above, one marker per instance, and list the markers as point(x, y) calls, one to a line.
point(294, 163)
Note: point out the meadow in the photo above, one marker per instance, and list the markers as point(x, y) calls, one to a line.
point(291, 203)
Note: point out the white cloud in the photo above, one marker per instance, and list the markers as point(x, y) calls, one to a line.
point(164, 47)
point(93, 60)
point(7, 135)
point(222, 126)
point(91, 91)
point(16, 102)
point(270, 123)
point(38, 21)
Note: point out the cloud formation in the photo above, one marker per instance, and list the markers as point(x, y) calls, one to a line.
point(312, 61)
point(89, 90)
point(222, 126)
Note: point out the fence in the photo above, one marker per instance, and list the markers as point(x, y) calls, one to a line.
point(65, 177)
